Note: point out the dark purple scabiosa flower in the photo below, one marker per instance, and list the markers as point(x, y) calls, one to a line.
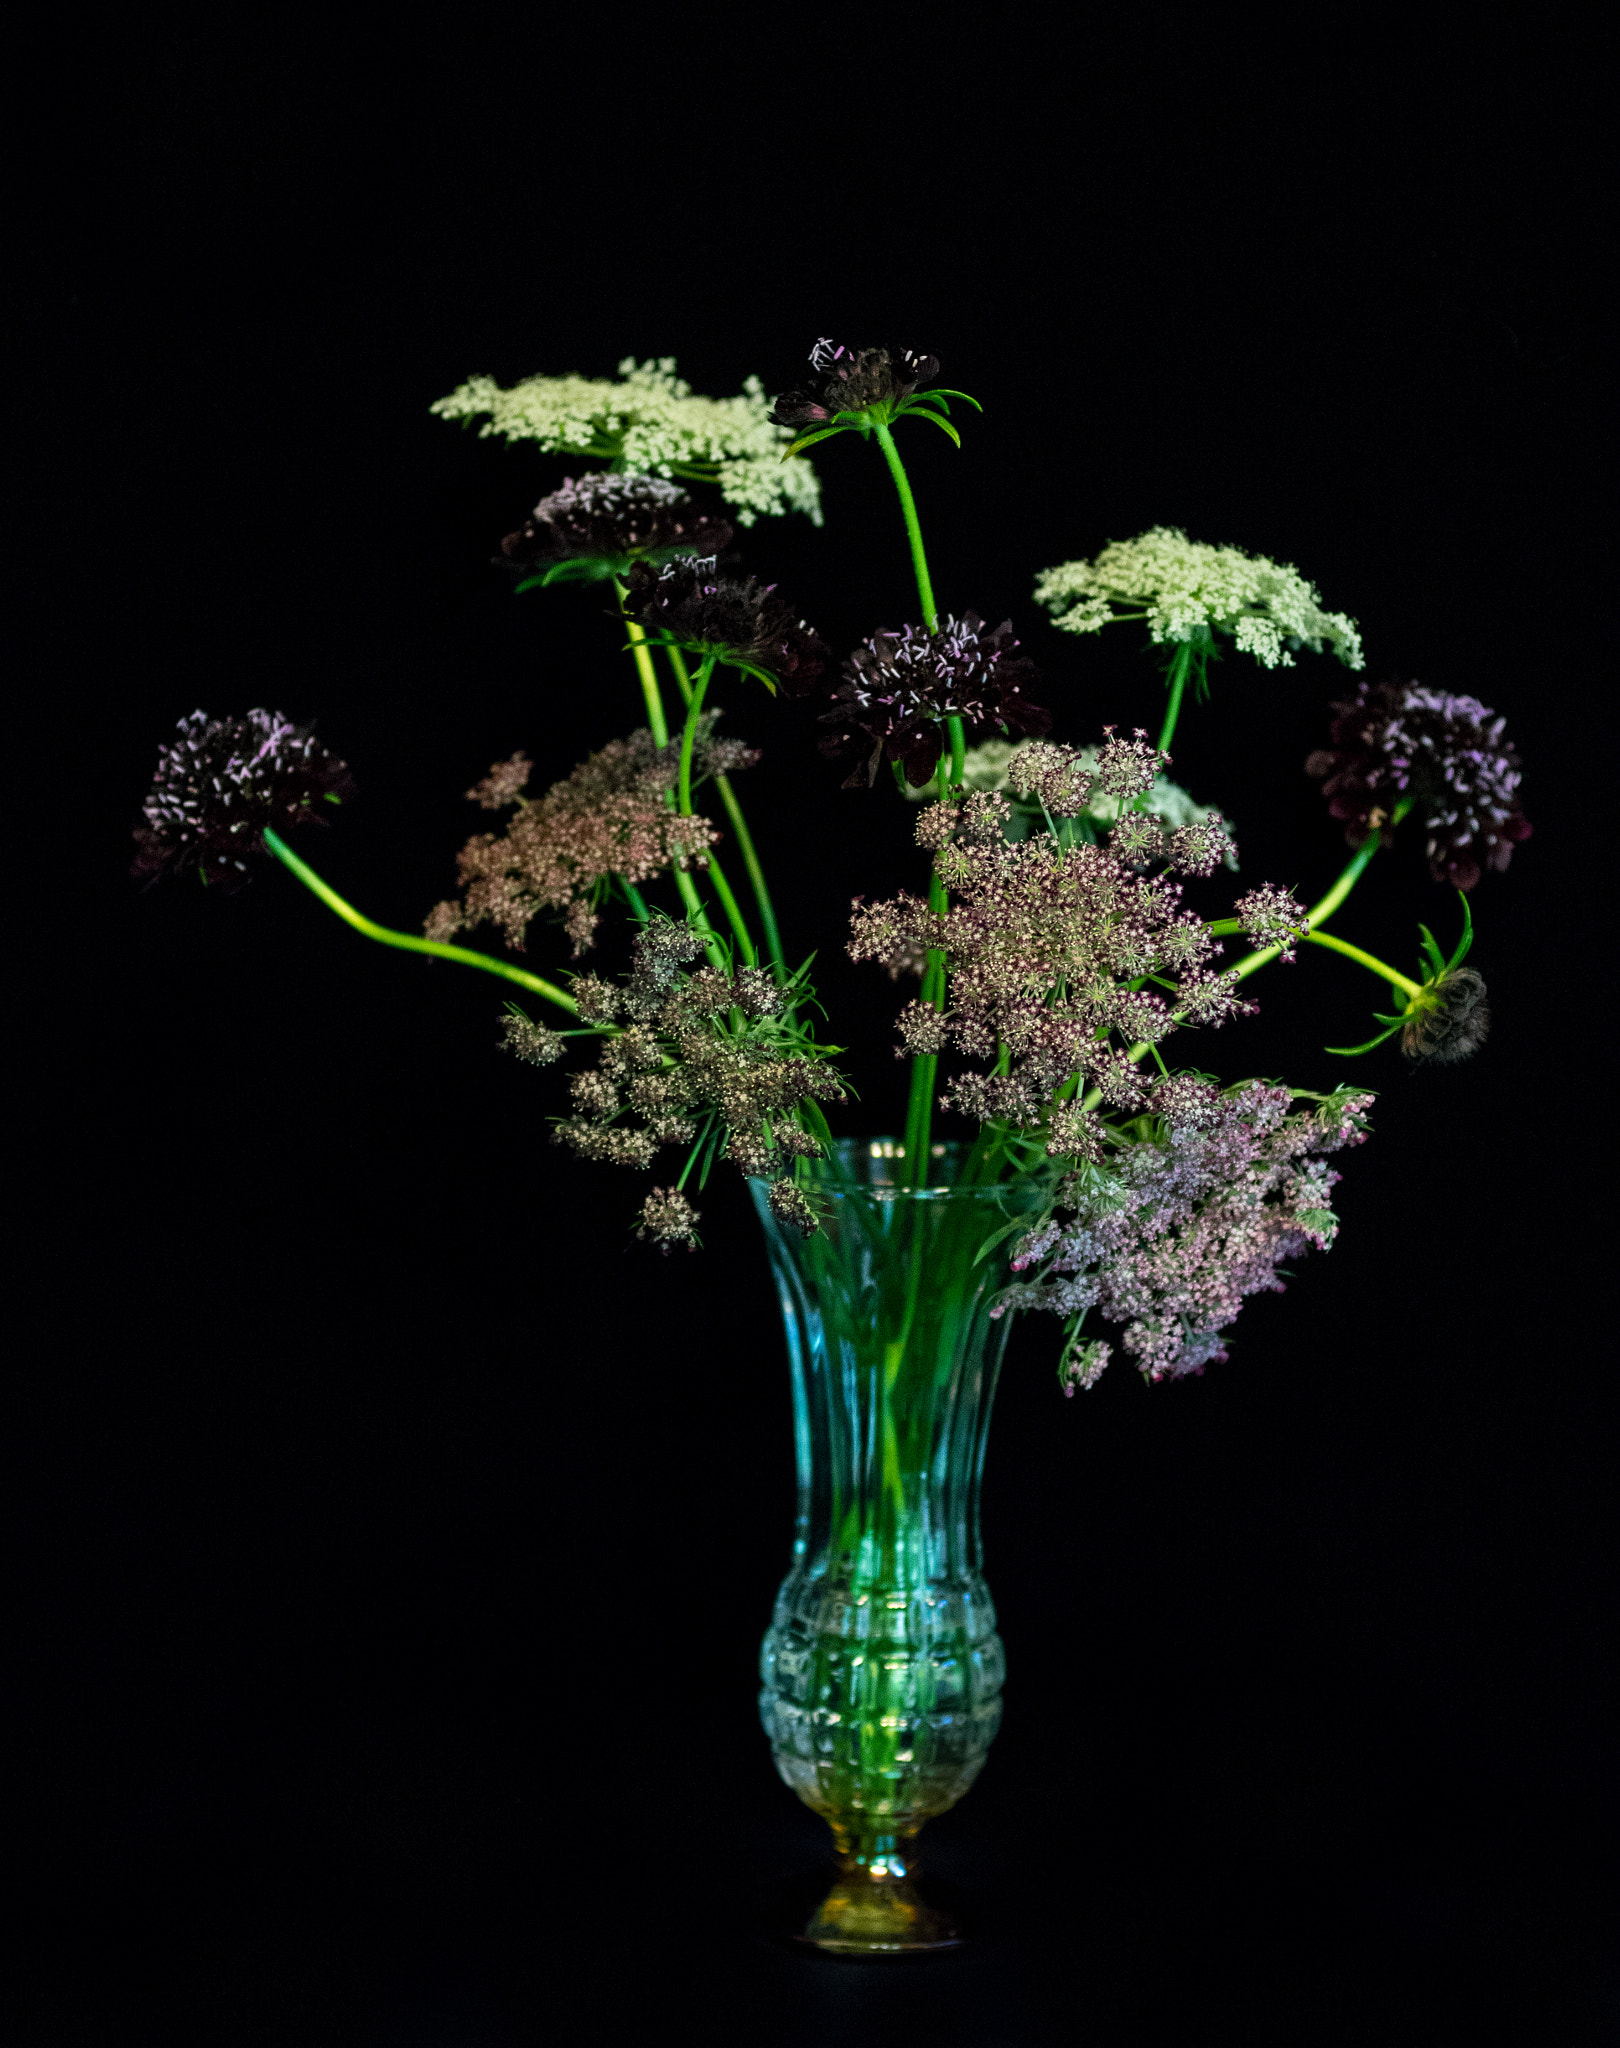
point(743, 624)
point(1400, 740)
point(587, 531)
point(1453, 1023)
point(220, 782)
point(899, 688)
point(856, 389)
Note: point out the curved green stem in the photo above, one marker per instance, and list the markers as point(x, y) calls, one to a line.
point(406, 941)
point(1404, 982)
point(908, 506)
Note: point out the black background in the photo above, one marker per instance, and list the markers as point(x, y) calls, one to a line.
point(394, 1538)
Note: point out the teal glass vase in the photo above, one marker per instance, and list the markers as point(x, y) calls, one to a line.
point(882, 1668)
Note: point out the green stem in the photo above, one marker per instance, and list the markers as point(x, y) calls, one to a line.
point(644, 668)
point(694, 710)
point(958, 739)
point(1411, 989)
point(908, 506)
point(745, 843)
point(756, 874)
point(733, 910)
point(406, 941)
point(920, 1104)
point(1180, 668)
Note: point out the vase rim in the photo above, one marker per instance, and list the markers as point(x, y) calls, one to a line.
point(869, 1165)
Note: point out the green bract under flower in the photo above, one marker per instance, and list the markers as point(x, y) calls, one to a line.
point(650, 420)
point(1184, 590)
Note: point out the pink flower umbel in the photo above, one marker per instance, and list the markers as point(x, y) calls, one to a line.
point(1175, 1232)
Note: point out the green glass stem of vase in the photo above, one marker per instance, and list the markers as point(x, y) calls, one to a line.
point(882, 1668)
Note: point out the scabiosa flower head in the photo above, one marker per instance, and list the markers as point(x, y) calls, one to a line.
point(900, 687)
point(668, 1219)
point(1394, 740)
point(220, 782)
point(747, 624)
point(853, 380)
point(609, 817)
point(1185, 590)
point(652, 422)
point(587, 531)
point(1452, 1023)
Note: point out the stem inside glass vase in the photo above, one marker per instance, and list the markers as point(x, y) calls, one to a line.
point(882, 1668)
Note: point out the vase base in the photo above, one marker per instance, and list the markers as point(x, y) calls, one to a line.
point(849, 1915)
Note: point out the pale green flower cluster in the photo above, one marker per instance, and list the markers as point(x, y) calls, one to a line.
point(1183, 588)
point(985, 768)
point(651, 421)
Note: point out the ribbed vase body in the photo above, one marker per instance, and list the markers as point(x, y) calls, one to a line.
point(882, 1669)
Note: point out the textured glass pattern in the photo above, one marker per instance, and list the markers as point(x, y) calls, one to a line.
point(882, 1669)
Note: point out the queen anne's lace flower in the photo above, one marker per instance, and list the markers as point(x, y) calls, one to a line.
point(1183, 589)
point(1190, 1224)
point(1041, 943)
point(651, 420)
point(611, 816)
point(668, 1219)
point(220, 782)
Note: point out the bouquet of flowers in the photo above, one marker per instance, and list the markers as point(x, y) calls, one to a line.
point(1052, 961)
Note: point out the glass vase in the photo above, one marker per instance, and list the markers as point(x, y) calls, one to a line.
point(882, 1669)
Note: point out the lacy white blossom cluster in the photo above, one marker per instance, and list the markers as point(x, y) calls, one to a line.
point(1176, 1232)
point(652, 421)
point(1184, 588)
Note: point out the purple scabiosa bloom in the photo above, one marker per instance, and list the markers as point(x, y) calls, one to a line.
point(853, 380)
point(1453, 1023)
point(585, 532)
point(1395, 740)
point(220, 782)
point(746, 624)
point(900, 687)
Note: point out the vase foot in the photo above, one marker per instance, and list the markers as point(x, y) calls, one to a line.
point(866, 1916)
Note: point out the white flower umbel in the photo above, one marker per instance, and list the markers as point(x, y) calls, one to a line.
point(650, 420)
point(1184, 588)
